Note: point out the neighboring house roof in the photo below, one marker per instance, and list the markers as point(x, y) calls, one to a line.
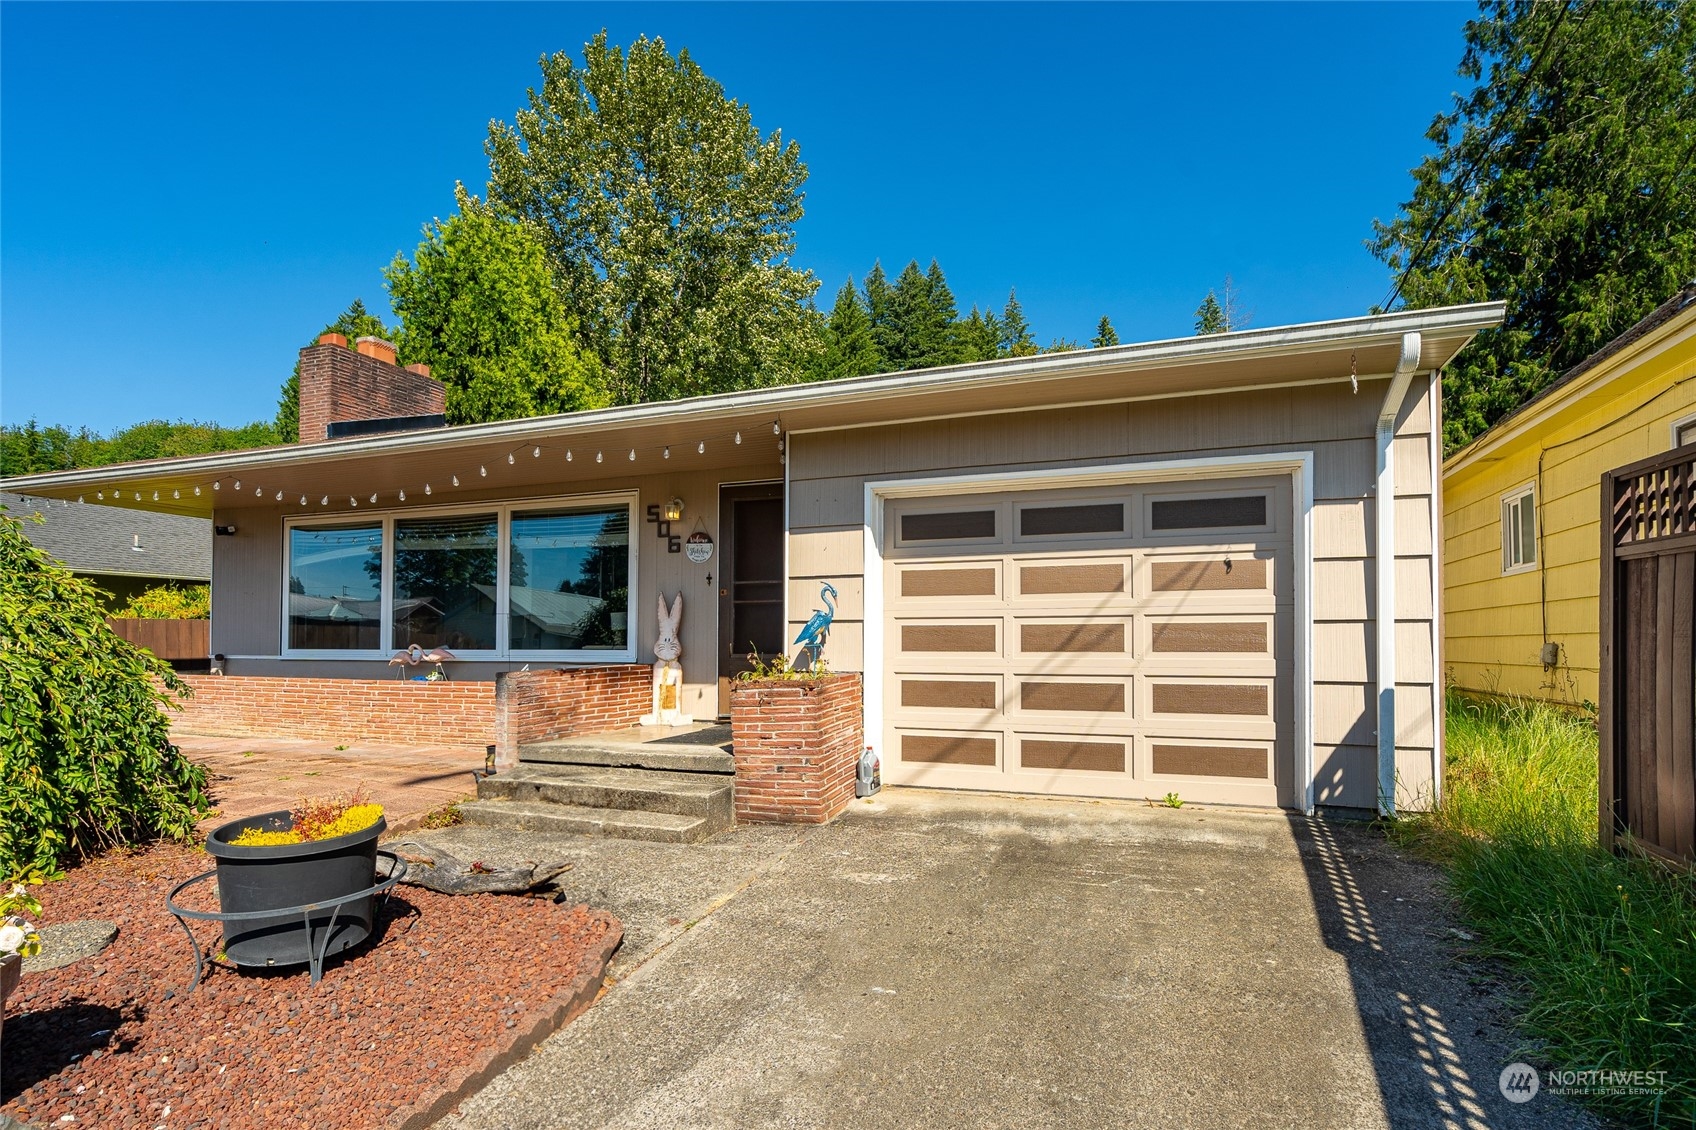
point(325, 478)
point(105, 540)
point(557, 612)
point(1659, 325)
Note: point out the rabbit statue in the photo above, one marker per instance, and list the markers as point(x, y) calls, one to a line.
point(668, 672)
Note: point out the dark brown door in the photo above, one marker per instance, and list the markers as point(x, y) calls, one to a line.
point(750, 595)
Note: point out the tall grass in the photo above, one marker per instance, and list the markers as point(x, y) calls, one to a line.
point(1604, 946)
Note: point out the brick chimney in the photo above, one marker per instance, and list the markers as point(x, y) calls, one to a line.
point(339, 385)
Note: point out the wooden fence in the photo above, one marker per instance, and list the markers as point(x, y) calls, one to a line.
point(167, 639)
point(1648, 672)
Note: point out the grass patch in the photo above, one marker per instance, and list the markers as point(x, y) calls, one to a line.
point(442, 816)
point(1604, 946)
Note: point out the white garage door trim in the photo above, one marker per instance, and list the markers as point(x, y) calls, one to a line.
point(1297, 464)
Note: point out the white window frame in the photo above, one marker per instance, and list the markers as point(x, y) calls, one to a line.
point(503, 511)
point(1680, 424)
point(1515, 499)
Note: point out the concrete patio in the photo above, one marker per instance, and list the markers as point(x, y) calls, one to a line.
point(1000, 961)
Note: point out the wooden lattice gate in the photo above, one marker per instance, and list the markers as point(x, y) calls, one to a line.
point(1648, 655)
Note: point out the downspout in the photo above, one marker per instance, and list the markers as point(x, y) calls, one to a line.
point(1384, 557)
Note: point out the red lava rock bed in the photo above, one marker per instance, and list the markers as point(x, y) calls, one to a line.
point(447, 986)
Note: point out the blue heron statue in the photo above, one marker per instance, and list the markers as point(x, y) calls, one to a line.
point(817, 627)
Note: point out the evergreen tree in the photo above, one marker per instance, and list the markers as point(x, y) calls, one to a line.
point(1016, 339)
point(480, 307)
point(1563, 181)
point(1209, 317)
point(849, 348)
point(1063, 345)
point(353, 323)
point(668, 218)
point(922, 315)
point(979, 336)
point(879, 301)
point(1105, 335)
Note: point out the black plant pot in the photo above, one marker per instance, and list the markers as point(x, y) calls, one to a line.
point(272, 878)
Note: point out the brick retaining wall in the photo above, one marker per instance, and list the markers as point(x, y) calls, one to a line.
point(797, 745)
point(542, 706)
point(346, 710)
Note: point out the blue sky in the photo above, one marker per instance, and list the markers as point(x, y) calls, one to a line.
point(187, 193)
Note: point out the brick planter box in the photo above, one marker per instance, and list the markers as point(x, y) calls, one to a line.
point(345, 710)
point(544, 706)
point(797, 744)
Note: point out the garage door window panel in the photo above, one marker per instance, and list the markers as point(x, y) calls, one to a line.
point(1196, 513)
point(966, 523)
point(1070, 520)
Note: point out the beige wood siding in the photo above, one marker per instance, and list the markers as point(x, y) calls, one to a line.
point(829, 471)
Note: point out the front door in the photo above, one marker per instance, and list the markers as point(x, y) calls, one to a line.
point(750, 595)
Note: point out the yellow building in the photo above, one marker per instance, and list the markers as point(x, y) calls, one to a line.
point(1521, 528)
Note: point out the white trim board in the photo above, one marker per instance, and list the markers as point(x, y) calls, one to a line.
point(1297, 464)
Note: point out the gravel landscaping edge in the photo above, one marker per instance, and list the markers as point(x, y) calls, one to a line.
point(532, 1028)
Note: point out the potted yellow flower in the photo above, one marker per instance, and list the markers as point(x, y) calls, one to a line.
point(321, 850)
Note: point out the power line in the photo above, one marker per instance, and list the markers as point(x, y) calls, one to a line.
point(1462, 181)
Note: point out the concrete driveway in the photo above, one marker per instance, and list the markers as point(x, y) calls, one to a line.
point(969, 960)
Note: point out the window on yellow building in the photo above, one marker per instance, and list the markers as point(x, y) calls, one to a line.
point(1684, 431)
point(1519, 529)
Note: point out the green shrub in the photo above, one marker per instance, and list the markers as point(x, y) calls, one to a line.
point(86, 760)
point(1603, 946)
point(171, 602)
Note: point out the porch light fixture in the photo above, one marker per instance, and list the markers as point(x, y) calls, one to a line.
point(674, 510)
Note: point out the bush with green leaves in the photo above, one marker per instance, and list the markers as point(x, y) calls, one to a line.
point(170, 602)
point(86, 760)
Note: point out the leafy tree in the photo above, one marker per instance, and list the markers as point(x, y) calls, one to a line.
point(480, 307)
point(32, 448)
point(849, 348)
point(979, 336)
point(353, 323)
point(86, 760)
point(1063, 345)
point(669, 220)
point(1016, 339)
point(1209, 317)
point(1563, 181)
point(1105, 334)
point(170, 602)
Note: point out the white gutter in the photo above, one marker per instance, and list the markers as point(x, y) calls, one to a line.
point(1384, 557)
point(766, 403)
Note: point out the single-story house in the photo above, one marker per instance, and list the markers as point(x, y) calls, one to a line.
point(1123, 572)
point(124, 552)
point(1522, 518)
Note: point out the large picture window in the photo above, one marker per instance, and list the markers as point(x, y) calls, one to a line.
point(335, 600)
point(444, 582)
point(569, 580)
point(525, 580)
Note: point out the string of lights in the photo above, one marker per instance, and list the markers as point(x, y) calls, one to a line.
point(748, 439)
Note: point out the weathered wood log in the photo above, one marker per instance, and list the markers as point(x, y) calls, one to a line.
point(432, 868)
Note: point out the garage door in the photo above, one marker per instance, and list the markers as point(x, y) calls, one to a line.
point(1124, 642)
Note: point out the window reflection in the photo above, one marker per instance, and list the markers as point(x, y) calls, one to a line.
point(444, 584)
point(335, 594)
point(569, 580)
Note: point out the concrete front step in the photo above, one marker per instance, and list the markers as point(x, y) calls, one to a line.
point(708, 795)
point(611, 752)
point(619, 823)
